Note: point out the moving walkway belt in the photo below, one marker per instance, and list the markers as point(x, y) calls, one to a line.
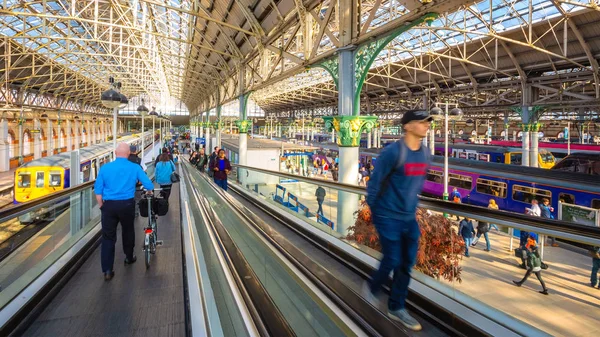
point(282, 235)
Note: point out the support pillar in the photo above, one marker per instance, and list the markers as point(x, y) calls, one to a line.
point(49, 138)
point(370, 135)
point(69, 136)
point(209, 146)
point(4, 146)
point(525, 147)
point(77, 135)
point(533, 153)
point(37, 139)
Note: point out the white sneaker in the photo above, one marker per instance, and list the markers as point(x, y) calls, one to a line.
point(405, 318)
point(367, 293)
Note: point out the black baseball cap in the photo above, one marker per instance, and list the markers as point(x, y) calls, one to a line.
point(415, 115)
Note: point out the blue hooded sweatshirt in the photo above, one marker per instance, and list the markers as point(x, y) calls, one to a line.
point(392, 191)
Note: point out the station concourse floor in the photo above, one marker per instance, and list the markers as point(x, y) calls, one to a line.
point(136, 302)
point(571, 309)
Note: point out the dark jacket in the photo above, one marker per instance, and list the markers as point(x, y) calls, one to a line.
point(134, 159)
point(483, 227)
point(465, 228)
point(320, 193)
point(533, 260)
point(202, 161)
point(220, 174)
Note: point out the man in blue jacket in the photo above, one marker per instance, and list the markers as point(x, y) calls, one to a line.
point(392, 196)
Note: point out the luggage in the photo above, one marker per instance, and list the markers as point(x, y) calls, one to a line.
point(160, 207)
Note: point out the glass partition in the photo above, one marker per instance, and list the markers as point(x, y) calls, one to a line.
point(489, 280)
point(305, 314)
point(31, 242)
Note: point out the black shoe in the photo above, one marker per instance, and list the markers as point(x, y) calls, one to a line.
point(487, 250)
point(518, 284)
point(133, 259)
point(545, 292)
point(109, 275)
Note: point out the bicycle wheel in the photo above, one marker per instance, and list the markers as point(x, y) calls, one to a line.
point(147, 252)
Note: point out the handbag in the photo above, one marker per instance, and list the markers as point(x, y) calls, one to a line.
point(544, 265)
point(518, 252)
point(174, 176)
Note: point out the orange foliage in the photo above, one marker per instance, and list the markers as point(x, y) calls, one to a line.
point(440, 248)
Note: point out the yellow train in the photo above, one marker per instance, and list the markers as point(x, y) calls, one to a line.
point(44, 176)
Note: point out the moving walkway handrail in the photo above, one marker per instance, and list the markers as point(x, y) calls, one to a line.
point(267, 318)
point(23, 208)
point(575, 232)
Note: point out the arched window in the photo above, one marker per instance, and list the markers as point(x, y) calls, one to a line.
point(84, 136)
point(41, 141)
point(61, 139)
point(11, 149)
point(26, 143)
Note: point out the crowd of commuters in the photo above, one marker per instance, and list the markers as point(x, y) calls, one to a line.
point(217, 164)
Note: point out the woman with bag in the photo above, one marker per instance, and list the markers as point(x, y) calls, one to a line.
point(164, 169)
point(535, 265)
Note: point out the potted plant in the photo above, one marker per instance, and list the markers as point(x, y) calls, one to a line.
point(440, 247)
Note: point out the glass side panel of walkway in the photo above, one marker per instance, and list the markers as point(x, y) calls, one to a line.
point(482, 281)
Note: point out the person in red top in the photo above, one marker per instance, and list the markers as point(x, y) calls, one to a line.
point(221, 168)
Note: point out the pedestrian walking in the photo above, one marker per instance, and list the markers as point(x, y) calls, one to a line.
point(595, 253)
point(392, 197)
point(221, 168)
point(115, 189)
point(164, 170)
point(466, 230)
point(482, 229)
point(320, 194)
point(535, 267)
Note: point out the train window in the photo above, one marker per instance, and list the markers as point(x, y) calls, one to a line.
point(567, 198)
point(39, 179)
point(526, 194)
point(596, 203)
point(460, 181)
point(86, 173)
point(490, 187)
point(515, 158)
point(435, 176)
point(55, 178)
point(24, 180)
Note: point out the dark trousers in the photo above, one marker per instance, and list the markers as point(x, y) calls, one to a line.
point(222, 183)
point(538, 274)
point(399, 255)
point(166, 191)
point(113, 213)
point(320, 210)
point(595, 269)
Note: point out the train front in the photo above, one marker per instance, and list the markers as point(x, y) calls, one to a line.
point(32, 182)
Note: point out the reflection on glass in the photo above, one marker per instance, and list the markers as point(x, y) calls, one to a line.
point(32, 242)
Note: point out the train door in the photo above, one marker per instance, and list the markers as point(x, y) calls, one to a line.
point(94, 169)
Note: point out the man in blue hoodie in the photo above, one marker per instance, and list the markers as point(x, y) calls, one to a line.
point(392, 196)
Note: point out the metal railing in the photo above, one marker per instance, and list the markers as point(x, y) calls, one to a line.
point(556, 228)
